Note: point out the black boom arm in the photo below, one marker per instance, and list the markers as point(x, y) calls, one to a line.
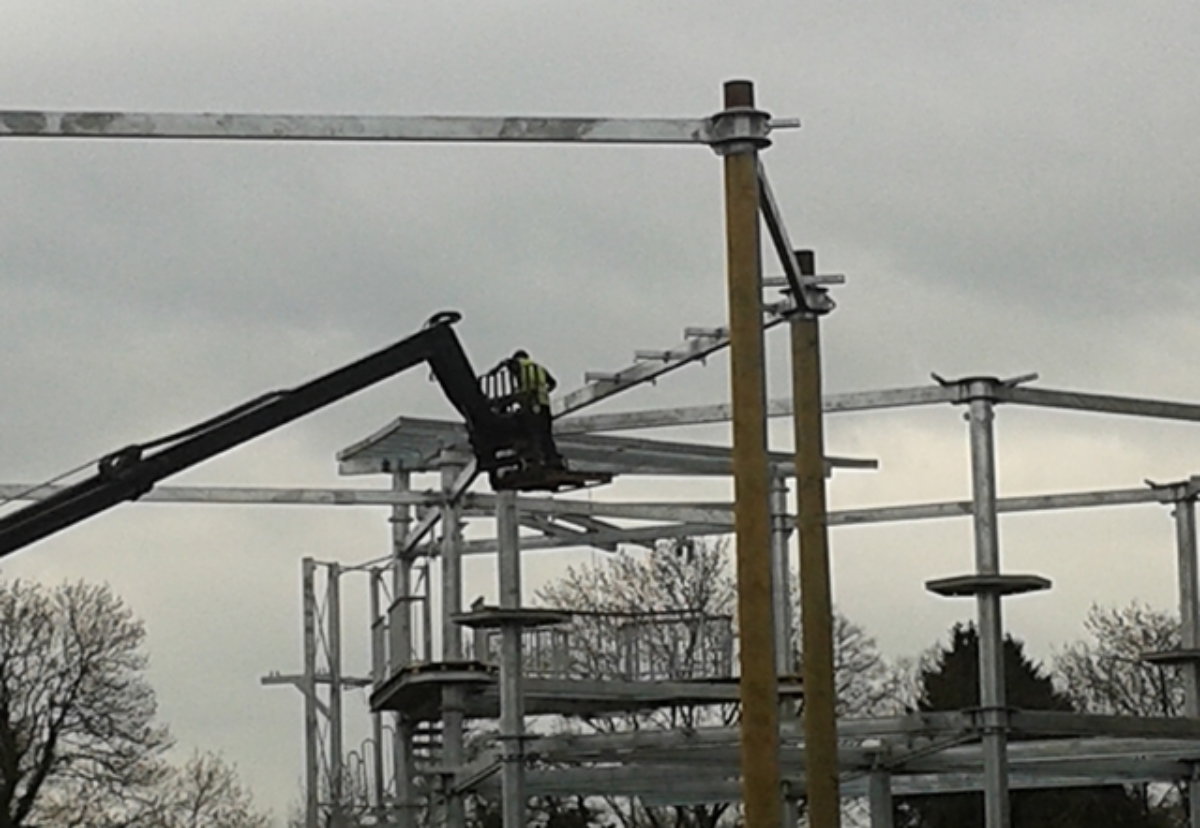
point(131, 472)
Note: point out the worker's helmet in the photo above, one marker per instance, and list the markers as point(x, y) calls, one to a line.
point(520, 353)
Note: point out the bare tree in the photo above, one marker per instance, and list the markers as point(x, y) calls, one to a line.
point(676, 605)
point(1108, 675)
point(666, 615)
point(77, 724)
point(204, 793)
point(865, 684)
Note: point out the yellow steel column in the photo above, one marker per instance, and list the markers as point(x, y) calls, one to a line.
point(816, 605)
point(761, 792)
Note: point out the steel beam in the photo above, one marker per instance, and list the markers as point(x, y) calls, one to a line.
point(1098, 403)
point(722, 412)
point(385, 128)
point(245, 495)
point(965, 508)
point(810, 297)
point(599, 540)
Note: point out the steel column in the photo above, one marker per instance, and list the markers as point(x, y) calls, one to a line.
point(378, 673)
point(781, 581)
point(400, 614)
point(312, 759)
point(816, 600)
point(991, 627)
point(400, 647)
point(333, 643)
point(781, 587)
point(781, 591)
point(1189, 599)
point(453, 748)
point(1189, 618)
point(512, 714)
point(758, 689)
point(879, 798)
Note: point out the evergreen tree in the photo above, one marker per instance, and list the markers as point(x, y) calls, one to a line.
point(951, 682)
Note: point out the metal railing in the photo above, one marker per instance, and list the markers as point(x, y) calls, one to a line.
point(672, 646)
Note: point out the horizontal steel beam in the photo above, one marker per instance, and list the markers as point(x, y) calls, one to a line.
point(1099, 403)
point(884, 399)
point(599, 540)
point(671, 785)
point(721, 412)
point(962, 508)
point(712, 514)
point(1053, 723)
point(246, 495)
point(388, 128)
point(679, 512)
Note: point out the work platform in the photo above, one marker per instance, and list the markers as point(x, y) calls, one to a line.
point(415, 445)
point(417, 692)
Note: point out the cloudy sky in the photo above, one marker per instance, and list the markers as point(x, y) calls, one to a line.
point(1009, 188)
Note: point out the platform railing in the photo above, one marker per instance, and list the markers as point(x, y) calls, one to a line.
point(667, 646)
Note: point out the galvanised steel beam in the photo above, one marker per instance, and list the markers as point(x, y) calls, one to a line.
point(1099, 403)
point(722, 412)
point(1052, 723)
point(670, 787)
point(478, 504)
point(247, 495)
point(599, 746)
point(600, 540)
point(384, 128)
point(965, 508)
point(886, 399)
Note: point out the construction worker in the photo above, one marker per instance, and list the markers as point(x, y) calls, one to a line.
point(534, 384)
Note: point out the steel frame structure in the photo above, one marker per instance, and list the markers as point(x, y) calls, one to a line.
point(953, 752)
point(898, 756)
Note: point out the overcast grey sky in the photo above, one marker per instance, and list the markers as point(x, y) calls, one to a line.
point(1009, 187)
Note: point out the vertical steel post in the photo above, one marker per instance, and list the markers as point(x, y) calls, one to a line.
point(512, 713)
point(761, 793)
point(991, 626)
point(781, 587)
point(312, 768)
point(1189, 617)
point(400, 646)
point(781, 530)
point(426, 578)
point(453, 748)
point(879, 797)
point(816, 593)
point(1189, 600)
point(400, 640)
point(378, 670)
point(333, 631)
